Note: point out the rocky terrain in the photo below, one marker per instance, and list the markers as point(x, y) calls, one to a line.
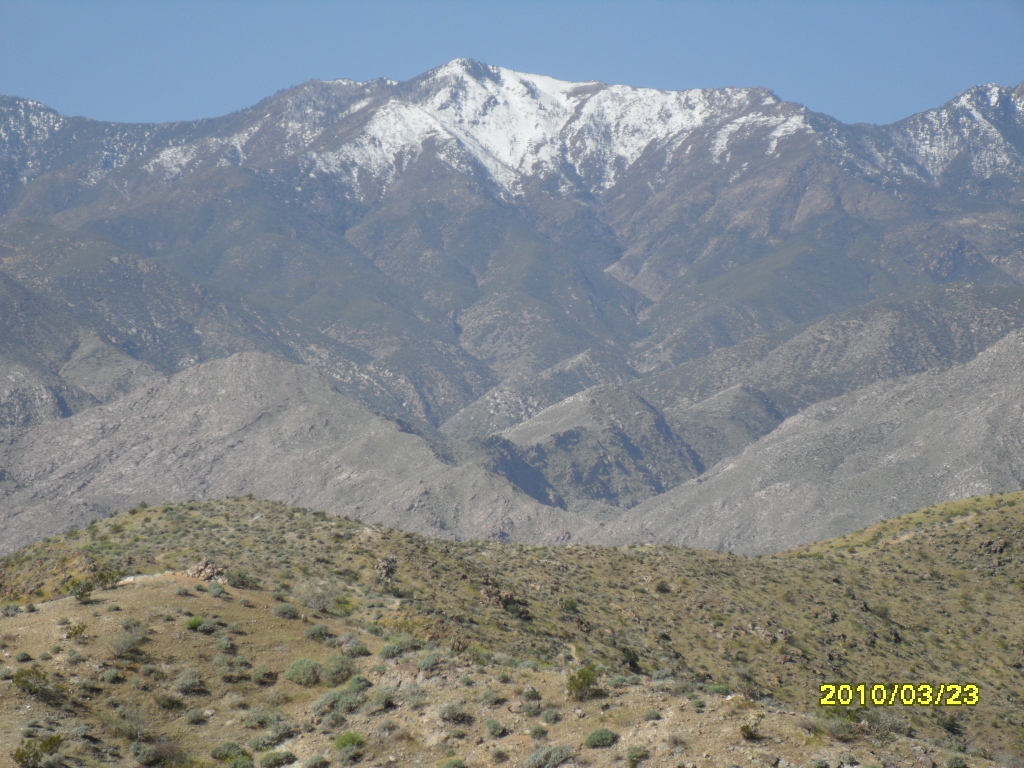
point(483, 303)
point(239, 632)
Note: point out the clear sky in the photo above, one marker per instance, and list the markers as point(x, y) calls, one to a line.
point(160, 60)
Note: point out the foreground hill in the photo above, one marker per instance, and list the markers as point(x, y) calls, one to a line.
point(281, 630)
point(582, 296)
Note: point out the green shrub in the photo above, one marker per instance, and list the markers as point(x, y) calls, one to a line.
point(226, 750)
point(318, 632)
point(492, 697)
point(194, 623)
point(286, 611)
point(581, 683)
point(277, 759)
point(600, 738)
point(240, 579)
point(455, 763)
point(538, 732)
point(316, 761)
point(22, 656)
point(190, 683)
point(262, 675)
point(652, 714)
point(35, 682)
point(956, 762)
point(430, 662)
point(305, 672)
point(635, 755)
point(549, 757)
point(217, 590)
point(349, 739)
point(35, 753)
point(338, 670)
point(495, 728)
point(241, 761)
point(391, 651)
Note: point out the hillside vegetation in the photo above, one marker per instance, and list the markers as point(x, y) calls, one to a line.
point(164, 635)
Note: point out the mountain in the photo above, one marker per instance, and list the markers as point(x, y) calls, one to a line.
point(581, 299)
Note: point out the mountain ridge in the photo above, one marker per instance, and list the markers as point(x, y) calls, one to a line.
point(475, 253)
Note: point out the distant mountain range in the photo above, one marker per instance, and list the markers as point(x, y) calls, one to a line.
point(482, 303)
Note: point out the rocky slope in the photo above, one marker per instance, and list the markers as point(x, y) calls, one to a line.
point(475, 254)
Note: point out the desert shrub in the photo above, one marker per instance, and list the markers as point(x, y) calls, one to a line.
point(194, 623)
point(391, 651)
point(318, 632)
point(382, 699)
point(652, 714)
point(495, 728)
point(36, 753)
point(112, 676)
point(717, 689)
point(195, 717)
point(262, 675)
point(635, 755)
point(190, 683)
point(492, 698)
point(305, 672)
point(839, 727)
point(455, 712)
point(430, 662)
point(226, 750)
point(531, 708)
point(338, 669)
point(217, 590)
point(358, 684)
point(355, 649)
point(80, 589)
point(35, 682)
point(600, 738)
point(241, 579)
point(265, 741)
point(6, 673)
point(316, 761)
point(286, 611)
point(22, 656)
point(349, 739)
point(581, 683)
point(550, 716)
point(531, 694)
point(241, 761)
point(184, 592)
point(538, 732)
point(956, 762)
point(455, 763)
point(277, 759)
point(125, 644)
point(549, 757)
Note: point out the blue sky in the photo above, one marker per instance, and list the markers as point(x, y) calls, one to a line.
point(161, 60)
